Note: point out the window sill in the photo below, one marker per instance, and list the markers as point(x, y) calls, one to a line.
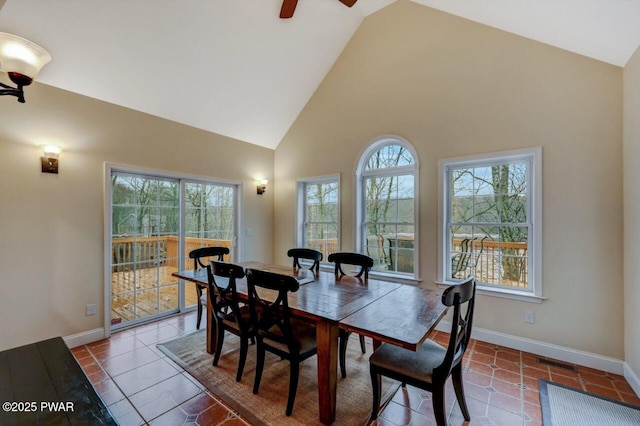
point(501, 293)
point(377, 275)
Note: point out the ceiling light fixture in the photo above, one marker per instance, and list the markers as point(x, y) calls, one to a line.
point(22, 61)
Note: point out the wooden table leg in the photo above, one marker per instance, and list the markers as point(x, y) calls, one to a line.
point(211, 331)
point(327, 340)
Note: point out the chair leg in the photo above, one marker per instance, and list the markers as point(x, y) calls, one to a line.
point(244, 348)
point(259, 367)
point(362, 346)
point(343, 340)
point(219, 341)
point(293, 385)
point(375, 386)
point(456, 377)
point(199, 293)
point(437, 398)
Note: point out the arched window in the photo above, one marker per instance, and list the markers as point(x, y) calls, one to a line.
point(387, 175)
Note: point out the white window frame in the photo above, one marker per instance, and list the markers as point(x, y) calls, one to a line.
point(182, 178)
point(534, 240)
point(301, 219)
point(360, 174)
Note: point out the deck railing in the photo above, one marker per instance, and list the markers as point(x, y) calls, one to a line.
point(130, 253)
point(492, 262)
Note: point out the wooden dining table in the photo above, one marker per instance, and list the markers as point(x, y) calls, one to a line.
point(383, 310)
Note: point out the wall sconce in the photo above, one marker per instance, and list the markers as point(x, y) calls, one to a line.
point(22, 61)
point(49, 158)
point(262, 186)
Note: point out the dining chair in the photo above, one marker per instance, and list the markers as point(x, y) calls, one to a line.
point(429, 367)
point(289, 338)
point(306, 253)
point(365, 263)
point(228, 312)
point(200, 257)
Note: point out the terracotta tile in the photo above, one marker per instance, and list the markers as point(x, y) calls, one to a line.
point(622, 386)
point(162, 397)
point(564, 380)
point(506, 402)
point(476, 378)
point(172, 417)
point(602, 391)
point(128, 361)
point(125, 413)
point(142, 377)
point(92, 368)
point(533, 412)
point(507, 388)
point(507, 376)
point(481, 368)
point(215, 415)
point(233, 421)
point(532, 397)
point(479, 393)
point(109, 391)
point(630, 398)
point(158, 335)
point(125, 345)
point(199, 404)
point(499, 416)
point(482, 358)
point(97, 377)
point(535, 373)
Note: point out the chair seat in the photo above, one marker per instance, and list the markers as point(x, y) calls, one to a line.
point(303, 333)
point(229, 319)
point(418, 365)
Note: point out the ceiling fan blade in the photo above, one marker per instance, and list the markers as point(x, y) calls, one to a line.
point(348, 3)
point(288, 7)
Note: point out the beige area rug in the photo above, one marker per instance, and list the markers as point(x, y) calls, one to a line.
point(268, 406)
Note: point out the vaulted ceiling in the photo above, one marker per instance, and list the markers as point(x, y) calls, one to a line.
point(233, 67)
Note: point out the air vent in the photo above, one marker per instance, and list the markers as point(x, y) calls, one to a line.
point(556, 364)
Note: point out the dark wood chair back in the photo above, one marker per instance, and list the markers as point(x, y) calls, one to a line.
point(275, 317)
point(457, 295)
point(279, 333)
point(201, 254)
point(229, 313)
point(200, 258)
point(356, 259)
point(306, 253)
point(224, 299)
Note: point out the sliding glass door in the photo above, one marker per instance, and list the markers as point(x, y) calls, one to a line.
point(155, 222)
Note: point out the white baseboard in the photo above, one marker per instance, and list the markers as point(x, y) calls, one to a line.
point(536, 347)
point(632, 378)
point(84, 338)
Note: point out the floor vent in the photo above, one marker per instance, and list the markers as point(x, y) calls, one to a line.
point(556, 364)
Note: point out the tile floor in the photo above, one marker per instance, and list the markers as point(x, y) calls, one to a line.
point(142, 386)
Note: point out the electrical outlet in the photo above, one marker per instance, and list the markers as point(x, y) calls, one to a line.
point(91, 309)
point(529, 317)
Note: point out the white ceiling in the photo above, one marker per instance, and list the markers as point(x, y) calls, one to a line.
point(234, 68)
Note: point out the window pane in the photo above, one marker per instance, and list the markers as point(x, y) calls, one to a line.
point(320, 223)
point(488, 223)
point(389, 156)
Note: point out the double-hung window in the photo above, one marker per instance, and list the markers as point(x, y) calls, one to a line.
point(491, 222)
point(387, 175)
point(319, 214)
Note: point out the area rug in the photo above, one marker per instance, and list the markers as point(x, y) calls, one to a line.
point(353, 405)
point(562, 405)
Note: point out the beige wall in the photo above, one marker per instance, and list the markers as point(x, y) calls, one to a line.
point(51, 226)
point(453, 87)
point(631, 167)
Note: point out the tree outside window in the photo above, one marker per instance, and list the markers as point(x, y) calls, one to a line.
point(388, 214)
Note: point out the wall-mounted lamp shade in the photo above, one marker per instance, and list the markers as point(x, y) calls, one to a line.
point(49, 159)
point(21, 59)
point(262, 186)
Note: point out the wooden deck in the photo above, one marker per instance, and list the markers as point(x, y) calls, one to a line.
point(157, 292)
